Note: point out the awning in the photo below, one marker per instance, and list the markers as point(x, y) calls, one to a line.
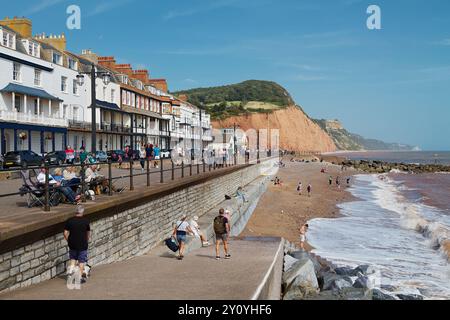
point(107, 105)
point(33, 92)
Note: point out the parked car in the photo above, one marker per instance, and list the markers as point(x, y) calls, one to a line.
point(22, 159)
point(101, 156)
point(55, 157)
point(114, 155)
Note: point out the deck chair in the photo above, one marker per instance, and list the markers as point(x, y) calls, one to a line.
point(36, 193)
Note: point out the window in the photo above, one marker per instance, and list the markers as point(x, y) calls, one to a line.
point(75, 113)
point(16, 72)
point(17, 103)
point(33, 48)
point(113, 95)
point(133, 99)
point(75, 87)
point(124, 97)
point(72, 64)
point(64, 84)
point(56, 58)
point(37, 77)
point(129, 98)
point(9, 40)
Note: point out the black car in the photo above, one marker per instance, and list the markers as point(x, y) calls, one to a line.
point(114, 155)
point(22, 159)
point(55, 157)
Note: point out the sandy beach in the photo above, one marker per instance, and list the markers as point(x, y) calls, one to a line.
point(282, 211)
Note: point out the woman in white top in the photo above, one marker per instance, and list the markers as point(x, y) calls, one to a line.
point(180, 232)
point(196, 230)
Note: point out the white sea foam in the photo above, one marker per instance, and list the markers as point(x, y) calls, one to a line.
point(381, 230)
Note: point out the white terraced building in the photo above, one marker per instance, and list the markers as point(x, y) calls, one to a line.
point(43, 108)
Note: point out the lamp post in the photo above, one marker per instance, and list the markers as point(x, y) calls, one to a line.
point(106, 76)
point(235, 143)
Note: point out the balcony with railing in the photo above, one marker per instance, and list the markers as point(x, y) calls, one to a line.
point(30, 118)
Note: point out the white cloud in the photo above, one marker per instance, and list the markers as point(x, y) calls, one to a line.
point(107, 6)
point(41, 5)
point(444, 42)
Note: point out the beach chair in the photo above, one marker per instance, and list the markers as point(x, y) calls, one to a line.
point(35, 192)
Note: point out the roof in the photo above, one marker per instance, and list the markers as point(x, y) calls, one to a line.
point(107, 105)
point(17, 88)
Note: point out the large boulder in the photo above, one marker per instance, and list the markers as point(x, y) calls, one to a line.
point(332, 281)
point(410, 297)
point(289, 262)
point(344, 294)
point(364, 269)
point(363, 282)
point(380, 295)
point(300, 280)
point(345, 271)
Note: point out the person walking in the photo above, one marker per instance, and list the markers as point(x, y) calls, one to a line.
point(338, 182)
point(222, 230)
point(157, 155)
point(309, 190)
point(70, 155)
point(303, 231)
point(299, 188)
point(77, 232)
point(142, 157)
point(330, 181)
point(180, 231)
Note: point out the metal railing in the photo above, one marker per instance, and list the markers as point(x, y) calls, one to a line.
point(159, 175)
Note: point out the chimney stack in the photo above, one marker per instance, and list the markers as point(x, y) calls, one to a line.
point(22, 26)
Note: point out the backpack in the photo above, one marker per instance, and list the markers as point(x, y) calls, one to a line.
point(219, 225)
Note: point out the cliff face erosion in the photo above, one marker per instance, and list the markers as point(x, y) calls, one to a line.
point(297, 131)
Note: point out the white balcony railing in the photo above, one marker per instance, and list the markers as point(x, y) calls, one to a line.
point(30, 118)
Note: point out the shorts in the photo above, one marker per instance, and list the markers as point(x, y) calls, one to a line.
point(181, 237)
point(157, 158)
point(302, 238)
point(222, 237)
point(80, 256)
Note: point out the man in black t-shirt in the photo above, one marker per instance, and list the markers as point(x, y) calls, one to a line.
point(77, 232)
point(222, 231)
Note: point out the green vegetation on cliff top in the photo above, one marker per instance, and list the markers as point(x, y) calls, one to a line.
point(237, 99)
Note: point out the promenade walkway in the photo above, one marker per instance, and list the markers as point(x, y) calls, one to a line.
point(159, 276)
point(16, 218)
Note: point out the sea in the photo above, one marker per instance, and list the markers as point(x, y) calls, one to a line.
point(398, 224)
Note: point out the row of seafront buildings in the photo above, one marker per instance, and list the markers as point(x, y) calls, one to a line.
point(43, 107)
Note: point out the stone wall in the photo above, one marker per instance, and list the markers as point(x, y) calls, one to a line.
point(124, 235)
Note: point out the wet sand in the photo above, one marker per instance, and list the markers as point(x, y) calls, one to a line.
point(282, 211)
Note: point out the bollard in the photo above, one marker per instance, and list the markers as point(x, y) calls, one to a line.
point(173, 171)
point(148, 172)
point(110, 177)
point(47, 191)
point(162, 171)
point(198, 168)
point(204, 166)
point(83, 183)
point(182, 169)
point(190, 169)
point(131, 176)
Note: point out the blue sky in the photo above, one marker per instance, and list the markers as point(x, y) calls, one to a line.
point(392, 84)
